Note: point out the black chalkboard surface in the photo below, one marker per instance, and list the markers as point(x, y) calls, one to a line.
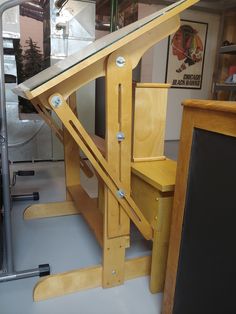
point(206, 275)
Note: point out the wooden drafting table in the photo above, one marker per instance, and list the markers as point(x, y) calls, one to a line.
point(113, 56)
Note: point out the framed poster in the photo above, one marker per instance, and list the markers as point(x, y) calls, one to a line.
point(185, 57)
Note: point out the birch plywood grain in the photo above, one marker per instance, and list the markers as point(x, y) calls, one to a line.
point(37, 211)
point(149, 121)
point(152, 189)
point(159, 174)
point(85, 278)
point(52, 87)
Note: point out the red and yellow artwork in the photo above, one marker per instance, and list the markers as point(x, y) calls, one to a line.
point(186, 55)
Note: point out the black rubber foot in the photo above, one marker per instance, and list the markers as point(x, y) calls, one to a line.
point(35, 196)
point(44, 270)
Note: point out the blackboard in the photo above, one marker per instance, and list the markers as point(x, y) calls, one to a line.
point(206, 274)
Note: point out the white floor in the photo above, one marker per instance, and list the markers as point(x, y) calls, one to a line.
point(66, 243)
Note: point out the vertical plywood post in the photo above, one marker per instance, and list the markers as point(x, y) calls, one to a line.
point(160, 244)
point(118, 125)
point(113, 271)
point(118, 155)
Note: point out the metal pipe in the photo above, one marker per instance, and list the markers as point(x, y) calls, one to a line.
point(4, 141)
point(42, 270)
point(26, 197)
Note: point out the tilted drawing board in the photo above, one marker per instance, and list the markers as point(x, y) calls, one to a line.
point(113, 56)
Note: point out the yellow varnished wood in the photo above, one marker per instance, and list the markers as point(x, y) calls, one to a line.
point(157, 29)
point(161, 244)
point(157, 207)
point(137, 267)
point(89, 208)
point(216, 105)
point(58, 131)
point(160, 174)
point(110, 226)
point(66, 283)
point(87, 278)
point(149, 159)
point(45, 115)
point(215, 116)
point(57, 209)
point(147, 197)
point(152, 85)
point(88, 70)
point(101, 165)
point(149, 122)
point(100, 143)
point(85, 168)
point(71, 153)
point(134, 44)
point(118, 154)
point(113, 260)
point(73, 162)
point(152, 188)
point(90, 211)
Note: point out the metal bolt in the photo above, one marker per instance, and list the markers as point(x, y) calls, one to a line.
point(113, 272)
point(56, 101)
point(120, 193)
point(120, 136)
point(120, 62)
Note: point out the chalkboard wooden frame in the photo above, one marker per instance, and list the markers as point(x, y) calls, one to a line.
point(213, 116)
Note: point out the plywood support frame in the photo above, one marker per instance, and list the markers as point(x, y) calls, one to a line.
point(116, 223)
point(87, 278)
point(71, 153)
point(115, 168)
point(118, 152)
point(45, 114)
point(160, 245)
point(75, 128)
point(56, 209)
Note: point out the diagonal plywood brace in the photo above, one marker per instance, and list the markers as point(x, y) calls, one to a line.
point(71, 154)
point(45, 114)
point(70, 121)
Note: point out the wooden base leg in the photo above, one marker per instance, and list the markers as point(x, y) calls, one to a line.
point(114, 262)
point(160, 246)
point(158, 265)
point(57, 209)
point(87, 278)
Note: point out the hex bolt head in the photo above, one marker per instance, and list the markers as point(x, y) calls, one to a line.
point(56, 101)
point(120, 193)
point(120, 61)
point(120, 136)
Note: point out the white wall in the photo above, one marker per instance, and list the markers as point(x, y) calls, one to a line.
point(154, 67)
